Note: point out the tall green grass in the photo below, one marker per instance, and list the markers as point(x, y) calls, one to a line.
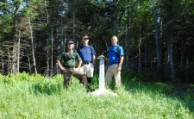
point(37, 97)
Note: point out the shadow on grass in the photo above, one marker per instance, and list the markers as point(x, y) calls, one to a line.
point(183, 92)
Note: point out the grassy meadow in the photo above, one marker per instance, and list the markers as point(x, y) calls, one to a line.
point(26, 96)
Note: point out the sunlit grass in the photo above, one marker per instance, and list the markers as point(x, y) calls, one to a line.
point(25, 96)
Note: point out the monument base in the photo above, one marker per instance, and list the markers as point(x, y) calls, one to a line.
point(103, 92)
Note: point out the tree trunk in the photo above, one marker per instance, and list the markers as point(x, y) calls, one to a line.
point(15, 43)
point(127, 50)
point(18, 60)
point(74, 22)
point(9, 62)
point(62, 35)
point(170, 56)
point(47, 59)
point(2, 65)
point(14, 57)
point(32, 41)
point(29, 64)
point(145, 55)
point(52, 40)
point(47, 43)
point(73, 26)
point(140, 56)
point(182, 53)
point(127, 42)
point(158, 45)
point(171, 59)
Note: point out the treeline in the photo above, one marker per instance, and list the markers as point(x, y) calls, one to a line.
point(157, 35)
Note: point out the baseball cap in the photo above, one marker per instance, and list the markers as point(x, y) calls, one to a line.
point(70, 42)
point(86, 37)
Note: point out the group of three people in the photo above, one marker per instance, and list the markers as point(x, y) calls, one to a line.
point(80, 62)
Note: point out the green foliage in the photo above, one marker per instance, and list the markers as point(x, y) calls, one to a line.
point(186, 73)
point(17, 2)
point(135, 100)
point(129, 76)
point(5, 23)
point(148, 75)
point(46, 86)
point(131, 20)
point(95, 82)
point(39, 83)
point(189, 72)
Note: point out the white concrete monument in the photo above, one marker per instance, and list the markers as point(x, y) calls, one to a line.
point(102, 90)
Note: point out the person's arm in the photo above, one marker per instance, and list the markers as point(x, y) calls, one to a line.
point(60, 66)
point(79, 60)
point(93, 59)
point(79, 64)
point(93, 54)
point(121, 53)
point(120, 63)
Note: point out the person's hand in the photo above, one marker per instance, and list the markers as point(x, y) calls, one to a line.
point(63, 69)
point(92, 65)
point(58, 62)
point(119, 68)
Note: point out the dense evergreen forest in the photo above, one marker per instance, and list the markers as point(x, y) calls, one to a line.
point(157, 35)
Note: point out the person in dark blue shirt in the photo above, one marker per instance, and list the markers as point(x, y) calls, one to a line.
point(88, 55)
point(116, 58)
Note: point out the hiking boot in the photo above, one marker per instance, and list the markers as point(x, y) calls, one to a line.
point(89, 88)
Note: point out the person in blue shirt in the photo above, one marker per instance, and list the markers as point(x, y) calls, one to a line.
point(88, 56)
point(115, 62)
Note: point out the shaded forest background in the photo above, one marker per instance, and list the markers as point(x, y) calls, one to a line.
point(157, 35)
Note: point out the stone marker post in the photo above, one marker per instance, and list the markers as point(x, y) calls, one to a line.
point(102, 90)
point(101, 73)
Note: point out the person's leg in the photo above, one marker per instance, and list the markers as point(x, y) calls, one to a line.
point(89, 80)
point(118, 79)
point(85, 69)
point(117, 76)
point(81, 73)
point(84, 79)
point(90, 72)
point(108, 76)
point(78, 76)
point(67, 79)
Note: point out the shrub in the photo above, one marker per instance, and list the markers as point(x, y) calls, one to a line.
point(47, 86)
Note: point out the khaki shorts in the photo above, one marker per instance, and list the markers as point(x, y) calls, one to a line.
point(88, 69)
point(76, 71)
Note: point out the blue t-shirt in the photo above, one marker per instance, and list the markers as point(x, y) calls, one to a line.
point(114, 53)
point(86, 52)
